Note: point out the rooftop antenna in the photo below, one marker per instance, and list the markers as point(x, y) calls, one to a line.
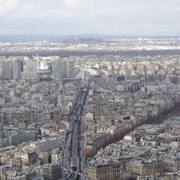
point(37, 58)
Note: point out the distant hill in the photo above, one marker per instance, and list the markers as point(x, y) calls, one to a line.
point(23, 38)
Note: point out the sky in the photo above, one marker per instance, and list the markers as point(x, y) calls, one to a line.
point(108, 17)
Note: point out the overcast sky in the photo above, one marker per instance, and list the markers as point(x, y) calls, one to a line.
point(113, 17)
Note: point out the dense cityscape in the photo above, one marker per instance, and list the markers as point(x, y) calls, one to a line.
point(90, 109)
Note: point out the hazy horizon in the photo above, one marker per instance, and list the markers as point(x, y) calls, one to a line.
point(50, 37)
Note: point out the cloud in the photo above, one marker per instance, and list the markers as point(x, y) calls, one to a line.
point(90, 16)
point(44, 8)
point(8, 6)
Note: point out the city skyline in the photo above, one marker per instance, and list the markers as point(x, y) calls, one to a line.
point(90, 109)
point(89, 89)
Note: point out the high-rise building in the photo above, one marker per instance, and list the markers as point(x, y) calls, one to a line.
point(30, 69)
point(7, 70)
point(30, 66)
point(57, 70)
point(69, 68)
point(1, 69)
point(62, 69)
point(17, 68)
